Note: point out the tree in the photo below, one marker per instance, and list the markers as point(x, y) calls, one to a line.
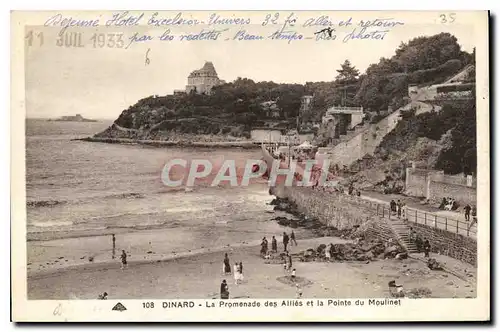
point(347, 74)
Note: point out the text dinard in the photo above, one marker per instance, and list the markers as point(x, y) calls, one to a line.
point(282, 303)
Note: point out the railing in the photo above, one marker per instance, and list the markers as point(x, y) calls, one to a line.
point(410, 214)
point(416, 216)
point(420, 217)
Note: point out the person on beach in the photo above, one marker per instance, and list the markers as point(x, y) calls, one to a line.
point(240, 266)
point(124, 259)
point(427, 248)
point(114, 246)
point(274, 245)
point(285, 240)
point(236, 271)
point(226, 268)
point(292, 239)
point(263, 247)
point(294, 274)
point(103, 296)
point(298, 291)
point(418, 243)
point(328, 254)
point(224, 290)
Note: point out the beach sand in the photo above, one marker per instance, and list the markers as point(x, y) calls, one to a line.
point(197, 275)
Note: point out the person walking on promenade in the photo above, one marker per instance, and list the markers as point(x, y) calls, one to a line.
point(399, 207)
point(467, 210)
point(292, 239)
point(224, 290)
point(226, 268)
point(474, 217)
point(124, 259)
point(274, 245)
point(427, 248)
point(285, 240)
point(393, 207)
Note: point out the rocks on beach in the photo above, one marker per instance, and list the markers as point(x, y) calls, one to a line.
point(362, 251)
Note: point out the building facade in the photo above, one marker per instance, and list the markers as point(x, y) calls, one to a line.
point(203, 80)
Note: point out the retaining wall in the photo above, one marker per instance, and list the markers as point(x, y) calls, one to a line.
point(463, 194)
point(450, 244)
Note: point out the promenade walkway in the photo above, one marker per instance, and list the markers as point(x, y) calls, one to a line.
point(447, 220)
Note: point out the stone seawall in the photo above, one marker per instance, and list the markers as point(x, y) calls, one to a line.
point(344, 212)
point(450, 244)
point(332, 209)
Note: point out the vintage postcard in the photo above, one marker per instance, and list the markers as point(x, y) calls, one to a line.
point(217, 166)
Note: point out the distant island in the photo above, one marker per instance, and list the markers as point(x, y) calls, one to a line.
point(73, 118)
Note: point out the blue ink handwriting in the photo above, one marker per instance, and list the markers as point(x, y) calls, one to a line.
point(176, 20)
point(124, 19)
point(203, 35)
point(244, 35)
point(363, 34)
point(216, 19)
point(286, 35)
point(136, 38)
point(66, 22)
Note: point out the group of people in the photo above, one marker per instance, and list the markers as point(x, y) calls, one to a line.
point(226, 269)
point(237, 269)
point(448, 203)
point(398, 208)
point(421, 244)
point(264, 245)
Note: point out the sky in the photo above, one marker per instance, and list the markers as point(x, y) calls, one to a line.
point(102, 82)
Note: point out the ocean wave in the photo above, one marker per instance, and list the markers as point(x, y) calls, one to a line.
point(44, 203)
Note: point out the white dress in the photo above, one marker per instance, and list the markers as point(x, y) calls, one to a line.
point(236, 273)
point(327, 252)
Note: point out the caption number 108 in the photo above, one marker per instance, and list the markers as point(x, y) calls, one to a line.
point(448, 18)
point(148, 305)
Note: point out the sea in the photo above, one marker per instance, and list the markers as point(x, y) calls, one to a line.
point(78, 189)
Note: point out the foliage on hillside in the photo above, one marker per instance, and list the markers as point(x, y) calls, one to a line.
point(232, 104)
point(444, 140)
point(423, 60)
point(239, 104)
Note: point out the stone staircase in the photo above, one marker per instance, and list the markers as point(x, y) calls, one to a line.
point(402, 231)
